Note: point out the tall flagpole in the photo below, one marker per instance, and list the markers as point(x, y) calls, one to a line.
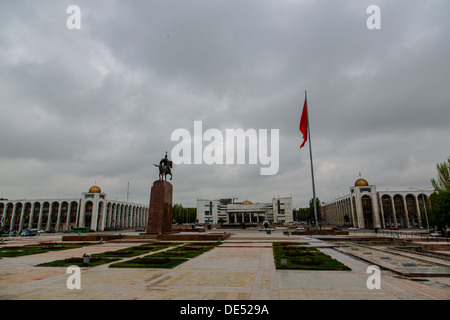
point(312, 167)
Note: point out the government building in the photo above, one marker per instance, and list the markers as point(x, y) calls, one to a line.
point(365, 207)
point(92, 210)
point(230, 212)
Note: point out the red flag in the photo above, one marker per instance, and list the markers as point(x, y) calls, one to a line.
point(304, 124)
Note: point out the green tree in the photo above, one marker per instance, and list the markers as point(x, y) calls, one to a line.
point(302, 214)
point(439, 200)
point(183, 215)
point(442, 184)
point(312, 217)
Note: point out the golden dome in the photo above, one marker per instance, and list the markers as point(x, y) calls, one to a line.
point(361, 183)
point(95, 189)
point(246, 202)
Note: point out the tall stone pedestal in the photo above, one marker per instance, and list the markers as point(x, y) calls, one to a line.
point(160, 212)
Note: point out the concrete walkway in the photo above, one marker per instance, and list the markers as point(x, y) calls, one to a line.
point(236, 270)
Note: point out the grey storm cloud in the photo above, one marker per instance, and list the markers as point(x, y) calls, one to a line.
point(99, 104)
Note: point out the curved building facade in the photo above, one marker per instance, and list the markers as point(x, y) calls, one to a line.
point(365, 207)
point(92, 210)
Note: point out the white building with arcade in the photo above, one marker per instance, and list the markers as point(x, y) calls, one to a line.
point(365, 207)
point(93, 209)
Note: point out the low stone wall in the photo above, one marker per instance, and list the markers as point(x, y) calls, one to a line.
point(193, 237)
point(436, 247)
point(176, 229)
point(91, 237)
point(320, 232)
point(238, 225)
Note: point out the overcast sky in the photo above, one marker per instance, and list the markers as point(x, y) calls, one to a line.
point(98, 105)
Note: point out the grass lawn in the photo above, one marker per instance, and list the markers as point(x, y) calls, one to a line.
point(277, 244)
point(169, 258)
point(166, 259)
point(105, 257)
point(183, 252)
point(133, 251)
point(95, 261)
point(39, 248)
point(305, 259)
point(149, 262)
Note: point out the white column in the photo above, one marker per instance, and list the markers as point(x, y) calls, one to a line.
point(58, 217)
point(21, 217)
point(3, 219)
point(66, 223)
point(30, 223)
point(13, 215)
point(114, 219)
point(419, 214)
point(41, 210)
point(406, 212)
point(49, 216)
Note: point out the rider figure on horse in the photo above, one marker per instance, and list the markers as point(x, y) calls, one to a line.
point(164, 168)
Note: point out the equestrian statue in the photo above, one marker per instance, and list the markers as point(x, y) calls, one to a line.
point(165, 166)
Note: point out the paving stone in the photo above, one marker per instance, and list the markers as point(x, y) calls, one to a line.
point(236, 270)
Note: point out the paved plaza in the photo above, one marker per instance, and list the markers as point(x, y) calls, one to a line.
point(242, 268)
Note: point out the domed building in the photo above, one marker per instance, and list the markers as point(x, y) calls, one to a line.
point(93, 210)
point(365, 207)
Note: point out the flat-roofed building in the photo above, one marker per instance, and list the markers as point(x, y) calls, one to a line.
point(228, 211)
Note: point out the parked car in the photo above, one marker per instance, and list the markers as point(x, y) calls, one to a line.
point(266, 229)
point(436, 234)
point(300, 229)
point(352, 229)
point(29, 233)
